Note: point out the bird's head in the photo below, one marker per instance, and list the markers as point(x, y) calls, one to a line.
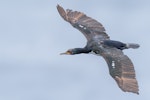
point(69, 52)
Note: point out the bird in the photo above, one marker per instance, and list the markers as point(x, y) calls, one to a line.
point(120, 66)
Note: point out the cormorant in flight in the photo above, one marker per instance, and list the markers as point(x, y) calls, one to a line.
point(120, 66)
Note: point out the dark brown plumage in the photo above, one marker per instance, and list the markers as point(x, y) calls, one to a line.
point(120, 66)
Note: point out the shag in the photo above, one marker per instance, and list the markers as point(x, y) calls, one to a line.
point(120, 66)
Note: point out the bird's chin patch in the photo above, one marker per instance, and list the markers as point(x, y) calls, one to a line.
point(66, 53)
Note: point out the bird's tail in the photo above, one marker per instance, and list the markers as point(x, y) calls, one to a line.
point(132, 45)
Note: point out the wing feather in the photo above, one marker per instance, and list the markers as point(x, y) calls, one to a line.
point(121, 69)
point(88, 26)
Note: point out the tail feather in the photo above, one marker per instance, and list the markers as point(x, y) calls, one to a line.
point(132, 45)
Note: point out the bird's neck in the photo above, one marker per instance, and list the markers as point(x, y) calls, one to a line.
point(81, 50)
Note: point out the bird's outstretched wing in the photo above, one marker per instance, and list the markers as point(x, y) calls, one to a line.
point(121, 69)
point(88, 26)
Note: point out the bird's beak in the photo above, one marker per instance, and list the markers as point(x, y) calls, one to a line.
point(66, 53)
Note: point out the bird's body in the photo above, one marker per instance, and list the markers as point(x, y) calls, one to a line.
point(120, 66)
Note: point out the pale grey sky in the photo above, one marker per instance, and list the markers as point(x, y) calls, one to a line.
point(32, 34)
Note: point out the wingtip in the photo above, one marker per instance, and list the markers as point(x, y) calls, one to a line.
point(137, 93)
point(62, 12)
point(59, 8)
point(58, 5)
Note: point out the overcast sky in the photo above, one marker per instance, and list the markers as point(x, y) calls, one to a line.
point(32, 34)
